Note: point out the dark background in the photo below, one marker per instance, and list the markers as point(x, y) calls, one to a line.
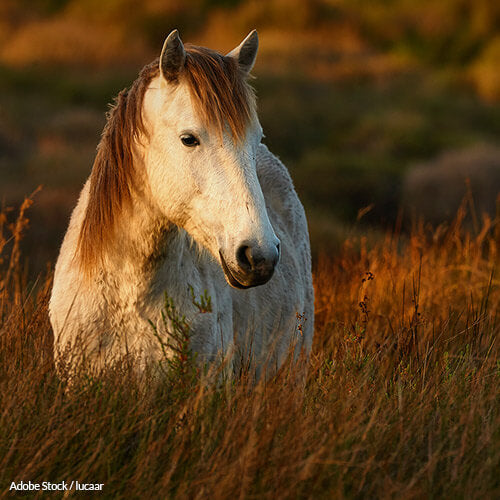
point(384, 111)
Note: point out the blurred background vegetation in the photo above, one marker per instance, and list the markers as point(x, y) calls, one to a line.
point(383, 110)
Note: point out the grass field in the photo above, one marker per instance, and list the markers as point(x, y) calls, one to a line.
point(401, 399)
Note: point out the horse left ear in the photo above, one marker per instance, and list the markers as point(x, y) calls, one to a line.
point(173, 57)
point(246, 52)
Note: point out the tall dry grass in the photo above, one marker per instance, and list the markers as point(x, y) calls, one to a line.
point(401, 398)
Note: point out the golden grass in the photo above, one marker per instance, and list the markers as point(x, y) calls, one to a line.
point(401, 398)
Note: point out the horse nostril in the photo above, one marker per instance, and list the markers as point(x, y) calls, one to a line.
point(253, 259)
point(244, 257)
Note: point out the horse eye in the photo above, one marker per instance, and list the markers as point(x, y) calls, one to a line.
point(189, 140)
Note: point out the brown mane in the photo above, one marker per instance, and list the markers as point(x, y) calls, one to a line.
point(221, 97)
point(219, 91)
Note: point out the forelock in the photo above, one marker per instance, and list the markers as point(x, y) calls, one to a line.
point(219, 90)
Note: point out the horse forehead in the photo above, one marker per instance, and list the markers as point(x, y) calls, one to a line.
point(177, 103)
point(165, 100)
point(173, 104)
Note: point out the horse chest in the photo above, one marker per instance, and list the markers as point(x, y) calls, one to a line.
point(183, 275)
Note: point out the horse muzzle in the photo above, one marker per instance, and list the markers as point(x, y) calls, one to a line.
point(255, 265)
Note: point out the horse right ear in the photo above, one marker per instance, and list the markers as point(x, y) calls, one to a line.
point(173, 57)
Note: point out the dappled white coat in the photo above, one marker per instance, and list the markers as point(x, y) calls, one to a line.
point(110, 315)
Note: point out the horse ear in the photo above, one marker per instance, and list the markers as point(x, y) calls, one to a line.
point(246, 52)
point(173, 57)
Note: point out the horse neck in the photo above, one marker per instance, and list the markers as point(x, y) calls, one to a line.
point(141, 234)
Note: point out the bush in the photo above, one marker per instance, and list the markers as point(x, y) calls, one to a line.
point(435, 190)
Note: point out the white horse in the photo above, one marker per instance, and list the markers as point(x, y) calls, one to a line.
point(183, 197)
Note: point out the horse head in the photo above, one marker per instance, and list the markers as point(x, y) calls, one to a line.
point(200, 156)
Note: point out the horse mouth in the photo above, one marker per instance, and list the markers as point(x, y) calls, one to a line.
point(231, 279)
